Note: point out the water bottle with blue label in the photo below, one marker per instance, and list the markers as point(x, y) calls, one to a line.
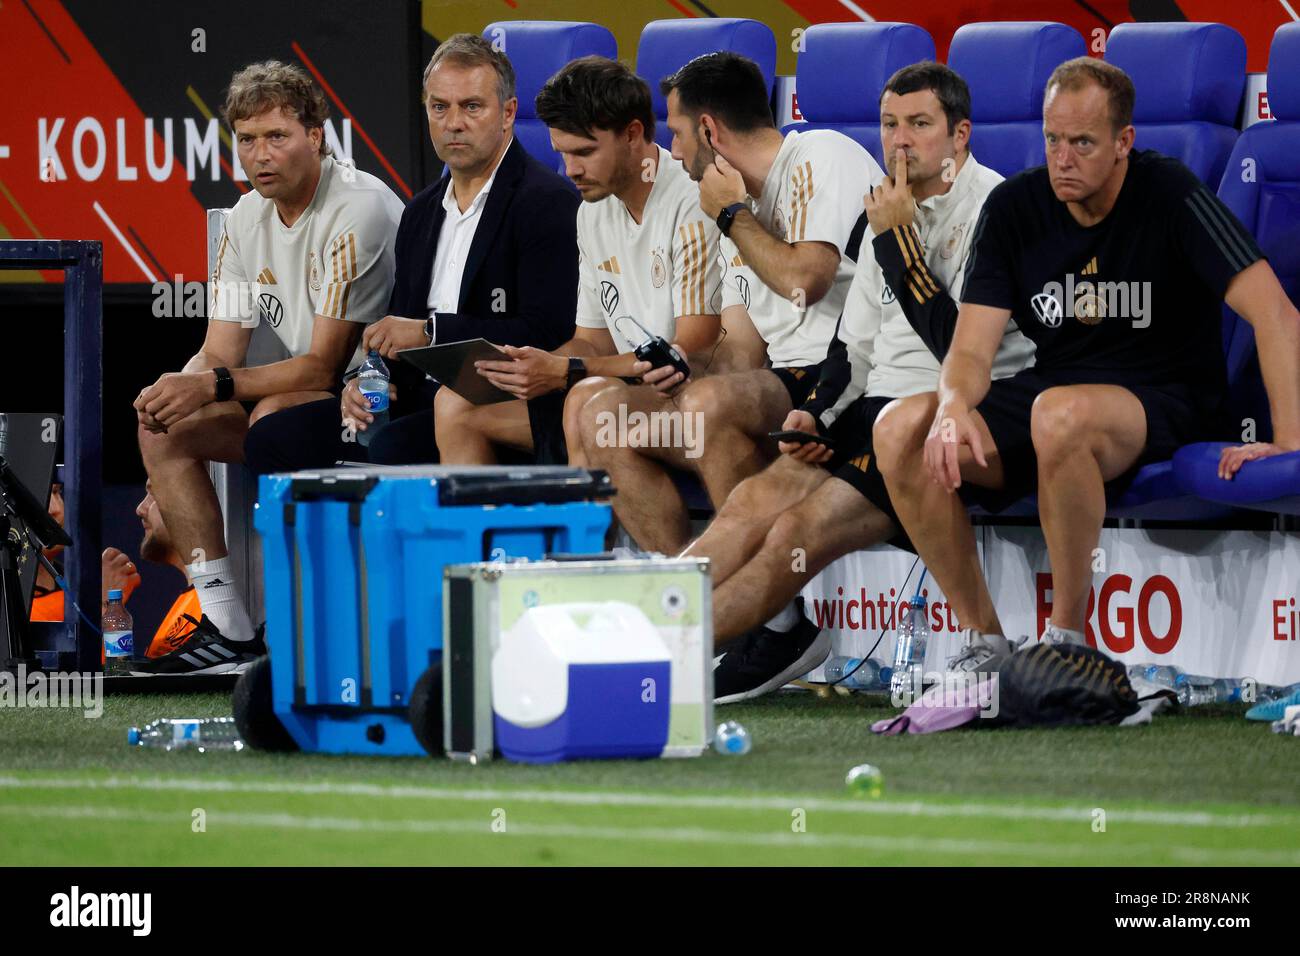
point(372, 382)
point(909, 653)
point(199, 733)
point(119, 644)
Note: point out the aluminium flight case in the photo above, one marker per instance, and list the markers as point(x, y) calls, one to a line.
point(353, 561)
point(485, 600)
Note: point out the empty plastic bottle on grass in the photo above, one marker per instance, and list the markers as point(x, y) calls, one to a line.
point(731, 739)
point(119, 643)
point(198, 733)
point(372, 382)
point(1193, 690)
point(909, 652)
point(846, 672)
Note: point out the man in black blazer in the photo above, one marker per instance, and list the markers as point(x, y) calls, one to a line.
point(489, 251)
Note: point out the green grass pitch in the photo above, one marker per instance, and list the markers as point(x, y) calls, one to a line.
point(1199, 788)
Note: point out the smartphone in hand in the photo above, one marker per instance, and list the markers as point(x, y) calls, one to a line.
point(801, 438)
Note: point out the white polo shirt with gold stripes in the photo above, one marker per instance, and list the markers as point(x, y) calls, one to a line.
point(812, 193)
point(887, 357)
point(335, 261)
point(656, 271)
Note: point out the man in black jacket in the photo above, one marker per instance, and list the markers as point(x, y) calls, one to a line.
point(489, 251)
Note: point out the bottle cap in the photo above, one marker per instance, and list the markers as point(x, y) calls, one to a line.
point(133, 736)
point(115, 594)
point(917, 601)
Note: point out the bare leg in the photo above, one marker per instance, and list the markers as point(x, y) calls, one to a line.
point(737, 411)
point(647, 504)
point(574, 403)
point(935, 518)
point(466, 432)
point(831, 522)
point(176, 462)
point(1084, 436)
point(735, 534)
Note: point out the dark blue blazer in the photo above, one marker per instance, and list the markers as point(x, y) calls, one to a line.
point(525, 246)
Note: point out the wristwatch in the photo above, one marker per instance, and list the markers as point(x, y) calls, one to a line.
point(728, 216)
point(225, 384)
point(577, 372)
point(429, 327)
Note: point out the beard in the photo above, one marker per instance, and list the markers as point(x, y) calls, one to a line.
point(155, 547)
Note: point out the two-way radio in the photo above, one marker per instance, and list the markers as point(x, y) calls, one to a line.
point(657, 350)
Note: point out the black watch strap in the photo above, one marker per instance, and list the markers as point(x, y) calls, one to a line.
point(728, 216)
point(577, 371)
point(225, 384)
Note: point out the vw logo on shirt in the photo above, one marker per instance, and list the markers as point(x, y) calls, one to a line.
point(608, 296)
point(271, 309)
point(1048, 309)
point(742, 286)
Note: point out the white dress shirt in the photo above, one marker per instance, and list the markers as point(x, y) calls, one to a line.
point(454, 240)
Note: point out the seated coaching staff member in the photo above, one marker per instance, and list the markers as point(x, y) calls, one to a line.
point(489, 251)
point(1115, 384)
point(311, 248)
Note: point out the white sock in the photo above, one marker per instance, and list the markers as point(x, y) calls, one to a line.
point(214, 581)
point(785, 621)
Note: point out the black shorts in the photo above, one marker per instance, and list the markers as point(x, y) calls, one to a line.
point(854, 457)
point(546, 423)
point(1176, 415)
point(854, 460)
point(798, 380)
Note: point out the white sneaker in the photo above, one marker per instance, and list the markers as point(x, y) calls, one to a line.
point(979, 650)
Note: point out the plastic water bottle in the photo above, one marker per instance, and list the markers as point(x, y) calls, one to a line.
point(1165, 675)
point(372, 382)
point(854, 673)
point(119, 644)
point(198, 733)
point(731, 739)
point(1193, 690)
point(909, 652)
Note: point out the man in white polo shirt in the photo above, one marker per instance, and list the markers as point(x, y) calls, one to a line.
point(787, 255)
point(310, 251)
point(819, 501)
point(647, 256)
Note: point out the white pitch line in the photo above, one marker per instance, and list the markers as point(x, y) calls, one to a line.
point(125, 245)
point(853, 7)
point(931, 848)
point(1287, 7)
point(1197, 818)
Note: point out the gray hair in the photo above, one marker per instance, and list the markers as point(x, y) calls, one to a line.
point(470, 49)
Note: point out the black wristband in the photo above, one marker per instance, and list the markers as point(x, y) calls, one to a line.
point(225, 384)
point(577, 371)
point(728, 216)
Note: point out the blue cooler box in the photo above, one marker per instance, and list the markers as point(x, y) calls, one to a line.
point(353, 561)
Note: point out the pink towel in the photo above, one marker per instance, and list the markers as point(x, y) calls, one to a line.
point(942, 707)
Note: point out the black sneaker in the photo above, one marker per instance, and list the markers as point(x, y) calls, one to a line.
point(765, 660)
point(207, 651)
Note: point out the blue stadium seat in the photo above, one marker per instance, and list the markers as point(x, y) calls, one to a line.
point(668, 45)
point(1189, 78)
point(844, 67)
point(1006, 66)
point(537, 50)
point(1261, 184)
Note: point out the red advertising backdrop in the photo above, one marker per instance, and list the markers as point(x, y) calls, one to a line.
point(110, 129)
